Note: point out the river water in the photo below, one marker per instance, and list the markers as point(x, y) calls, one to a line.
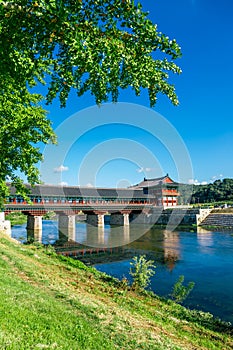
point(203, 257)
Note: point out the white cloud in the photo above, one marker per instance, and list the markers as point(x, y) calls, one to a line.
point(217, 177)
point(197, 182)
point(60, 169)
point(204, 182)
point(63, 183)
point(193, 182)
point(89, 185)
point(147, 170)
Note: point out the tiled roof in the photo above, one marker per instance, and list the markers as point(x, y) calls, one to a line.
point(75, 191)
point(154, 182)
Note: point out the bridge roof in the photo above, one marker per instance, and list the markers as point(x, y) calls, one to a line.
point(75, 191)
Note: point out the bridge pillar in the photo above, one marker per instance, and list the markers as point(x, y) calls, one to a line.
point(96, 219)
point(66, 227)
point(125, 219)
point(121, 218)
point(34, 228)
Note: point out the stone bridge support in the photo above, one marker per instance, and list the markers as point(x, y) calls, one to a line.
point(34, 228)
point(96, 218)
point(66, 227)
point(121, 218)
point(125, 219)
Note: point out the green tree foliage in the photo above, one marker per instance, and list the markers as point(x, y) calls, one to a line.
point(23, 124)
point(100, 46)
point(16, 218)
point(141, 271)
point(185, 192)
point(218, 191)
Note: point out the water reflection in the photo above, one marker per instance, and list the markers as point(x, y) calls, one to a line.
point(101, 236)
point(205, 239)
point(172, 250)
point(163, 245)
point(34, 235)
point(111, 236)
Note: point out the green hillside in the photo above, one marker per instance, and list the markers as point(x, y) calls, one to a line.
point(52, 302)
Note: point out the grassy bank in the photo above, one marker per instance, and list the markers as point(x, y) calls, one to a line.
point(223, 210)
point(217, 228)
point(53, 302)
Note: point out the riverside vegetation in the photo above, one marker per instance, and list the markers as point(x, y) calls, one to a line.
point(54, 302)
point(18, 218)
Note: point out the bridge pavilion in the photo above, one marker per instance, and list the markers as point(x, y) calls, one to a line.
point(164, 190)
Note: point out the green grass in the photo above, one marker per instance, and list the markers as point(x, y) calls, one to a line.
point(54, 302)
point(212, 204)
point(223, 210)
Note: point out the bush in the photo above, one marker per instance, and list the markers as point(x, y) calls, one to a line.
point(142, 270)
point(181, 292)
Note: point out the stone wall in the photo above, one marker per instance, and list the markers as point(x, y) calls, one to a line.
point(175, 216)
point(219, 220)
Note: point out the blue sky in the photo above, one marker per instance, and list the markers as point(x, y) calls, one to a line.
point(197, 143)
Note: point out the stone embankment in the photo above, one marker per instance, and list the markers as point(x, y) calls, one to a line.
point(218, 219)
point(5, 225)
point(172, 216)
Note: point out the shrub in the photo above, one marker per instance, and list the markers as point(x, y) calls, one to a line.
point(181, 292)
point(141, 271)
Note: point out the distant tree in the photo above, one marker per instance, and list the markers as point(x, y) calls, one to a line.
point(218, 191)
point(185, 192)
point(100, 46)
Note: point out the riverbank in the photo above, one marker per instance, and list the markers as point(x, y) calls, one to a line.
point(55, 302)
point(16, 218)
point(217, 228)
point(180, 227)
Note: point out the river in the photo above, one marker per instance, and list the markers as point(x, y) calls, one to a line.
point(204, 257)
